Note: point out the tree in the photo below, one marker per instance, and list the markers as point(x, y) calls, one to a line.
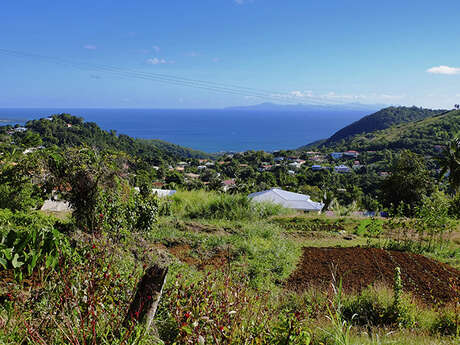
point(85, 178)
point(450, 163)
point(21, 180)
point(407, 184)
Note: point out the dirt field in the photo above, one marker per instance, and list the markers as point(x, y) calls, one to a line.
point(427, 279)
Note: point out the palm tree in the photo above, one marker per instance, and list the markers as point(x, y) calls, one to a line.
point(450, 163)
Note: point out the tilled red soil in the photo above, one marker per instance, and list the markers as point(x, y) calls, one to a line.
point(427, 279)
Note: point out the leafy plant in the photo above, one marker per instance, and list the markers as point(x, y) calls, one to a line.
point(25, 250)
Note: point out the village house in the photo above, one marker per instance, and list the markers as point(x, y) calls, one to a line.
point(192, 175)
point(337, 155)
point(343, 169)
point(351, 154)
point(295, 165)
point(318, 158)
point(227, 184)
point(316, 167)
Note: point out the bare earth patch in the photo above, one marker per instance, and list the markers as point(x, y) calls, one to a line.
point(428, 280)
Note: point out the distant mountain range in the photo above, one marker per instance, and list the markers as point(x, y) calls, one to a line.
point(308, 107)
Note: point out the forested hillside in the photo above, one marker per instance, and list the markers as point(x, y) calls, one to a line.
point(425, 136)
point(380, 120)
point(65, 130)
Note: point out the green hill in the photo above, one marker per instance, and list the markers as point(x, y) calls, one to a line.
point(421, 136)
point(65, 130)
point(380, 120)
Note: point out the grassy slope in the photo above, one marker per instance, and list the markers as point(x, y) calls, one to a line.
point(380, 120)
point(420, 136)
point(262, 244)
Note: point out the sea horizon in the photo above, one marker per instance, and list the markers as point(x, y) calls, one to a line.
point(208, 130)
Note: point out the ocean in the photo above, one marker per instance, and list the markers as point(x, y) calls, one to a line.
point(210, 130)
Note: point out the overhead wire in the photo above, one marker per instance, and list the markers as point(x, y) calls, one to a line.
point(222, 88)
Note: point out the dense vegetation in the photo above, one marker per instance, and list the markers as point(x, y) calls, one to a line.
point(65, 130)
point(424, 136)
point(382, 119)
point(69, 277)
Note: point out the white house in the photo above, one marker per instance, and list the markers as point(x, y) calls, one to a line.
point(295, 165)
point(287, 199)
point(342, 169)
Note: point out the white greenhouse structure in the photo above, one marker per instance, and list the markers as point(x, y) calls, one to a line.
point(287, 199)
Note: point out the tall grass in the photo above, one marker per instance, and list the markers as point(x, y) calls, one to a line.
point(212, 205)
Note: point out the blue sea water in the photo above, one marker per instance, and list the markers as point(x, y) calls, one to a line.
point(210, 130)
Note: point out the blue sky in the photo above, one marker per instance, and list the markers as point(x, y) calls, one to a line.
point(390, 52)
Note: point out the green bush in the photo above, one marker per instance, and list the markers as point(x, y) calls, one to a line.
point(145, 209)
point(376, 307)
point(26, 220)
point(24, 250)
point(454, 209)
point(446, 324)
point(370, 228)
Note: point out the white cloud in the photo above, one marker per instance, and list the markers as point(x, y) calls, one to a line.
point(298, 95)
point(241, 2)
point(90, 47)
point(156, 48)
point(158, 61)
point(192, 54)
point(444, 70)
point(301, 94)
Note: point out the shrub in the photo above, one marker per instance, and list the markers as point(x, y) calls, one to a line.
point(446, 324)
point(24, 250)
point(376, 307)
point(85, 302)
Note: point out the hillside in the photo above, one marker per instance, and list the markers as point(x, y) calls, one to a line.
point(380, 120)
point(423, 136)
point(65, 130)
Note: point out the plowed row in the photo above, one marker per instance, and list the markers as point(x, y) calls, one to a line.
point(429, 280)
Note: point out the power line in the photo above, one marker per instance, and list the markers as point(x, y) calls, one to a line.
point(222, 88)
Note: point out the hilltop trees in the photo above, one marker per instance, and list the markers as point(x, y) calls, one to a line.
point(450, 163)
point(407, 184)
